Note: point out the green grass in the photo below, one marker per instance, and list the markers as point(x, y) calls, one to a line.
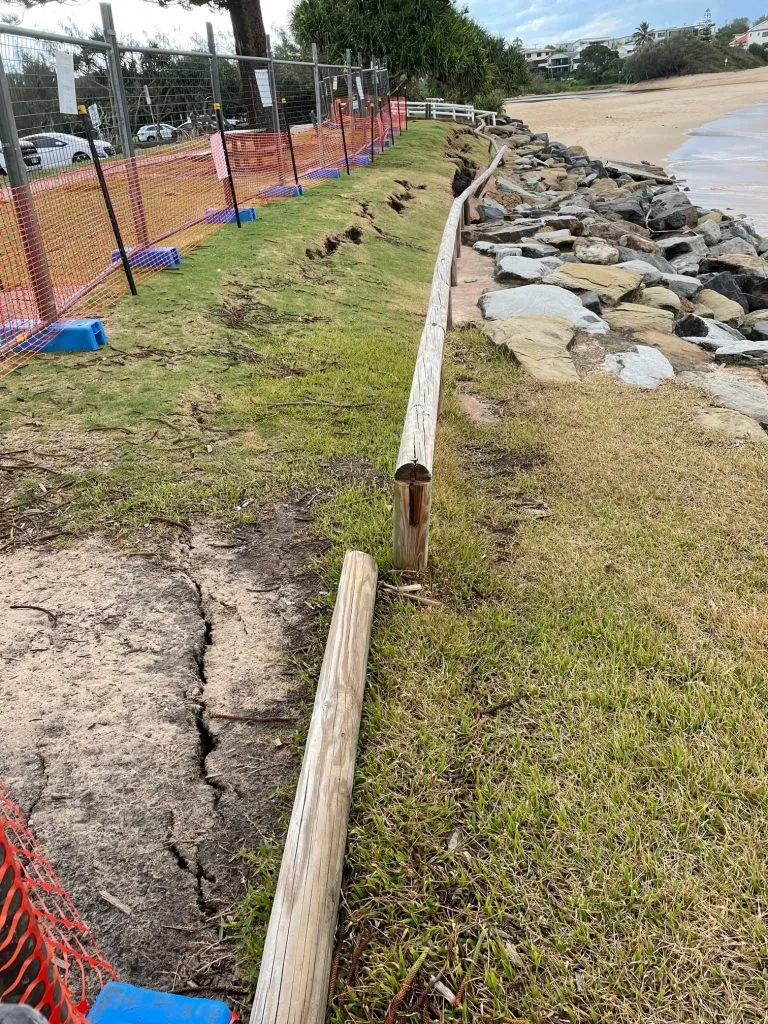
point(564, 764)
point(561, 790)
point(254, 370)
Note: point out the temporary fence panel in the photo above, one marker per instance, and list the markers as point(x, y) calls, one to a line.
point(154, 122)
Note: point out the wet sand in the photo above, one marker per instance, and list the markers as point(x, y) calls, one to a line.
point(646, 122)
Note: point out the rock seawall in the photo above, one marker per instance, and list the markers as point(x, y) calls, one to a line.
point(617, 251)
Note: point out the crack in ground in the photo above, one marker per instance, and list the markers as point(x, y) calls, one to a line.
point(43, 784)
point(207, 741)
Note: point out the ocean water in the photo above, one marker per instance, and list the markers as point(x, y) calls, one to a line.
point(725, 164)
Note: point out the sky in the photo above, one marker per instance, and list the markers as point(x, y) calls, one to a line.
point(536, 22)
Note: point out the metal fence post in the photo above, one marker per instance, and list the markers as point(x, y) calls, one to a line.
point(124, 124)
point(375, 73)
point(23, 207)
point(318, 104)
point(215, 77)
point(275, 112)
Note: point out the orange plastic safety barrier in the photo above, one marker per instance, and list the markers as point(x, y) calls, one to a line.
point(48, 958)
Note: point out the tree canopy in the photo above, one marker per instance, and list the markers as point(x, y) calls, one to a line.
point(423, 39)
point(598, 63)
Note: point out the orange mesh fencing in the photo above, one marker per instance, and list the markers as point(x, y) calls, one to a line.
point(58, 254)
point(48, 958)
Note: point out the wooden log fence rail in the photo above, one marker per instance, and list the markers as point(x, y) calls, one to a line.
point(413, 472)
point(296, 963)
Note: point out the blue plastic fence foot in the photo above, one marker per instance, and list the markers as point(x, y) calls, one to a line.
point(283, 190)
point(227, 216)
point(362, 161)
point(118, 1003)
point(324, 172)
point(163, 257)
point(61, 336)
point(387, 143)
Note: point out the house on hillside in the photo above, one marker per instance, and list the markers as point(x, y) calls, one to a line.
point(758, 34)
point(740, 41)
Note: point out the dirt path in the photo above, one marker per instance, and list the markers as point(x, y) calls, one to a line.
point(112, 743)
point(643, 122)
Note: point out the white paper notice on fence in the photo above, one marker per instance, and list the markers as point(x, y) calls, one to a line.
point(335, 84)
point(65, 78)
point(95, 115)
point(262, 81)
point(360, 89)
point(219, 160)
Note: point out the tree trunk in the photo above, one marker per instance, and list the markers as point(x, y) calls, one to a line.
point(250, 41)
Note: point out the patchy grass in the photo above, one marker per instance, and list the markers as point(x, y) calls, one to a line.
point(562, 787)
point(278, 355)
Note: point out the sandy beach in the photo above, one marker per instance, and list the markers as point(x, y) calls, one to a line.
point(643, 122)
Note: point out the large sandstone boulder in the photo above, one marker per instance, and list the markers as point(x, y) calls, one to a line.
point(630, 316)
point(753, 267)
point(726, 284)
point(596, 250)
point(540, 300)
point(733, 425)
point(633, 241)
point(661, 298)
point(611, 284)
point(671, 210)
point(725, 310)
point(539, 343)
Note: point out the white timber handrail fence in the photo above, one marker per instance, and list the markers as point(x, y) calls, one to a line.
point(296, 963)
point(448, 111)
point(413, 472)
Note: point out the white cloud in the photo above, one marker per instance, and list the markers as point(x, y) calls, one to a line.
point(137, 18)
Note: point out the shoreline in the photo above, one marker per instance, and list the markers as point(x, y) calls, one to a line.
point(647, 121)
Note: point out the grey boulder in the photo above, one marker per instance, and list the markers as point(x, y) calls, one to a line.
point(647, 271)
point(671, 210)
point(659, 262)
point(540, 300)
point(489, 209)
point(726, 284)
point(644, 366)
point(743, 353)
point(734, 245)
point(682, 285)
point(520, 268)
point(679, 245)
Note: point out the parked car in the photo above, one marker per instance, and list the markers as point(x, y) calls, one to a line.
point(149, 132)
point(202, 124)
point(28, 151)
point(58, 149)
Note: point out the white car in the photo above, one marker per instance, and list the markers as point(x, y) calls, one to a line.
point(148, 132)
point(57, 149)
point(28, 152)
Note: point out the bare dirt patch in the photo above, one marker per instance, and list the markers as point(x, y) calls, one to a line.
point(478, 410)
point(133, 691)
